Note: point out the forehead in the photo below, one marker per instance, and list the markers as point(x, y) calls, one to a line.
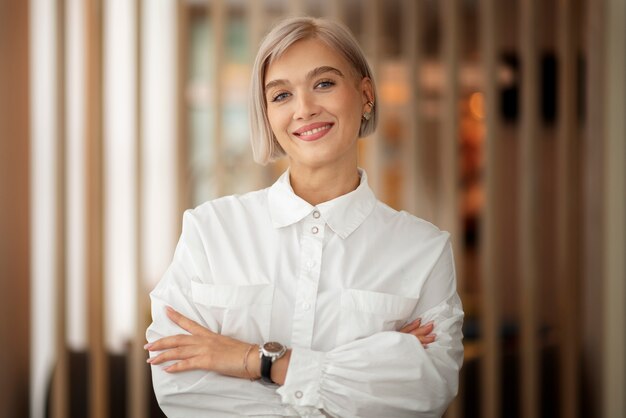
point(304, 55)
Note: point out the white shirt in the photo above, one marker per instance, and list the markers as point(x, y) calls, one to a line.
point(334, 282)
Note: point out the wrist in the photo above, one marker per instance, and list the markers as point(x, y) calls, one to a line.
point(254, 363)
point(280, 367)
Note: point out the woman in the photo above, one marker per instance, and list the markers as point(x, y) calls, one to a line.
point(308, 298)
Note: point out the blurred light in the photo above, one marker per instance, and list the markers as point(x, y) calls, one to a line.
point(477, 105)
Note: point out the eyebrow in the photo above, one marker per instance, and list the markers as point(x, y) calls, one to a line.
point(311, 74)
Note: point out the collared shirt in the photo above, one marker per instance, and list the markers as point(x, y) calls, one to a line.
point(334, 282)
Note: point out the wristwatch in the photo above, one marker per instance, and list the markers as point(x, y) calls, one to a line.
point(269, 353)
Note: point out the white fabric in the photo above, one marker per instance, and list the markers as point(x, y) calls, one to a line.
point(334, 282)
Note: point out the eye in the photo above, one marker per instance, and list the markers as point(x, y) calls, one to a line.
point(279, 97)
point(324, 84)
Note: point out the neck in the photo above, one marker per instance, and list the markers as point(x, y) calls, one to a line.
point(323, 184)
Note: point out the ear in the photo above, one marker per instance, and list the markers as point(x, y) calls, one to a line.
point(367, 91)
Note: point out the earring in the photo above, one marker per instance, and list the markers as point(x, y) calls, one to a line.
point(368, 115)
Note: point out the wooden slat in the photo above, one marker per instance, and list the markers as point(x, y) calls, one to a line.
point(296, 8)
point(448, 205)
point(138, 388)
point(256, 26)
point(568, 202)
point(490, 370)
point(335, 9)
point(371, 15)
point(217, 11)
point(592, 155)
point(527, 225)
point(60, 396)
point(614, 318)
point(98, 374)
point(184, 189)
point(414, 191)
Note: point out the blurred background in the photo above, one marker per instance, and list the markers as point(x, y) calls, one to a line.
point(502, 122)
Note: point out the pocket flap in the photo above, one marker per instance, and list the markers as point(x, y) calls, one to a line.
point(228, 296)
point(393, 307)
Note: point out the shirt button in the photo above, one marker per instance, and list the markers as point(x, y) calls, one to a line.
point(306, 306)
point(315, 230)
point(316, 214)
point(298, 394)
point(309, 264)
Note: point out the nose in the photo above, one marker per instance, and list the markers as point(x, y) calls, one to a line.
point(306, 107)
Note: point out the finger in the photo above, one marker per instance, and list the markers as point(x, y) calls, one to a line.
point(172, 341)
point(411, 326)
point(423, 330)
point(180, 353)
point(182, 366)
point(185, 323)
point(427, 339)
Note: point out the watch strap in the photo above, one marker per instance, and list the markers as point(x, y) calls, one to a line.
point(266, 369)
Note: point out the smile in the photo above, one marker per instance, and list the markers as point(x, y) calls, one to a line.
point(313, 132)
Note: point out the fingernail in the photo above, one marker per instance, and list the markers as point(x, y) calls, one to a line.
point(149, 360)
point(170, 309)
point(147, 346)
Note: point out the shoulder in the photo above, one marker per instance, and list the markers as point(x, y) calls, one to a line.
point(406, 226)
point(229, 208)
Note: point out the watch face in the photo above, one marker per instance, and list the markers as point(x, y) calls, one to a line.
point(273, 347)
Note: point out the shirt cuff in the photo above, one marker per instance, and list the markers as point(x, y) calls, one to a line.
point(302, 383)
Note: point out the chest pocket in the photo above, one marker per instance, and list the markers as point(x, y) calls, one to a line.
point(364, 313)
point(242, 312)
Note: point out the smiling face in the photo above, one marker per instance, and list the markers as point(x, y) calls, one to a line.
point(314, 105)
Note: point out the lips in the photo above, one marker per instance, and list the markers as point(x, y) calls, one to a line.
point(313, 131)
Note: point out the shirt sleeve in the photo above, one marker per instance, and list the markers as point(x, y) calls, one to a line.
point(196, 393)
point(389, 373)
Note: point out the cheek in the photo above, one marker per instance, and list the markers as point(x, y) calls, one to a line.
point(275, 121)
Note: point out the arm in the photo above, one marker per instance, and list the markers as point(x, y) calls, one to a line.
point(196, 392)
point(387, 374)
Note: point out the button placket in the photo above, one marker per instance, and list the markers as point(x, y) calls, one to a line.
point(311, 245)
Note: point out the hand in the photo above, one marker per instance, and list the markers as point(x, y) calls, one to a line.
point(202, 350)
point(422, 332)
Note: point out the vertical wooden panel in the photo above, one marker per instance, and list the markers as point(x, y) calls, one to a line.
point(296, 8)
point(256, 26)
point(137, 395)
point(448, 148)
point(335, 9)
point(18, 366)
point(183, 11)
point(528, 210)
point(218, 22)
point(414, 190)
point(614, 318)
point(490, 322)
point(98, 375)
point(371, 15)
point(61, 376)
point(592, 289)
point(567, 209)
point(448, 208)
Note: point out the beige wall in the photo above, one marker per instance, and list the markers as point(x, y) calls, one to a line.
point(14, 209)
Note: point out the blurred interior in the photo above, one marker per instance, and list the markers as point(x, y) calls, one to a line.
point(502, 122)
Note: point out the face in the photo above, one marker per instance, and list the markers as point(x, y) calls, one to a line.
point(315, 104)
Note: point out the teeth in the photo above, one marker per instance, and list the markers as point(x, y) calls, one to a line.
point(314, 131)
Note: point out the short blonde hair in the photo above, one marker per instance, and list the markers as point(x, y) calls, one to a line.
point(265, 147)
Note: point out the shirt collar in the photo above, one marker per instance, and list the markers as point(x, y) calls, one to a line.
point(344, 214)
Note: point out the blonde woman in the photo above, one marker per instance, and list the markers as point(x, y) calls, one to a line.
point(310, 297)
